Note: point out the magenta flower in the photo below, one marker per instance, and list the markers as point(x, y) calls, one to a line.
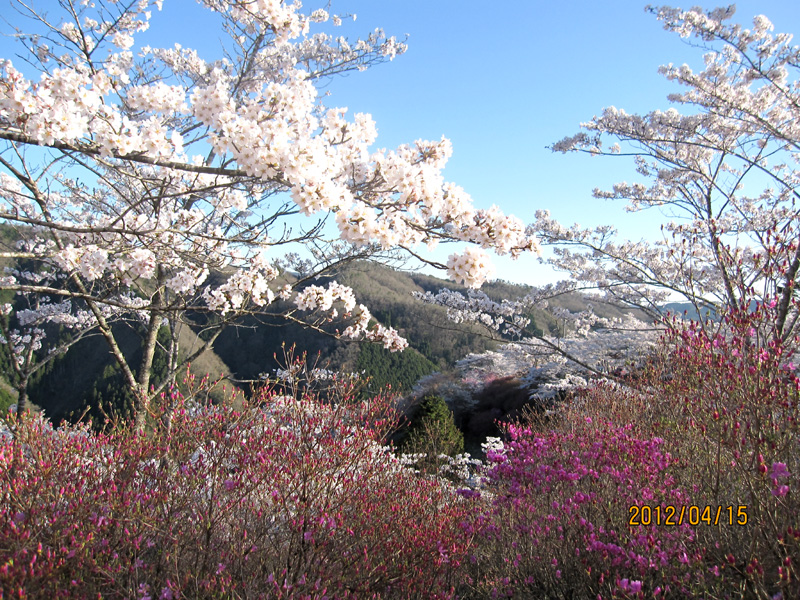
point(779, 470)
point(780, 490)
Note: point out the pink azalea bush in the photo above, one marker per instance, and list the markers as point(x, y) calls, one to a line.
point(711, 422)
point(733, 393)
point(287, 498)
point(559, 511)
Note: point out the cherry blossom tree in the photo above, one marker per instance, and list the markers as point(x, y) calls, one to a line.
point(587, 343)
point(722, 164)
point(155, 183)
point(725, 170)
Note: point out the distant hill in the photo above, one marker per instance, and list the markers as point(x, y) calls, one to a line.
point(87, 379)
point(688, 311)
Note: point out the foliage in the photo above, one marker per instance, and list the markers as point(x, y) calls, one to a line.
point(289, 498)
point(432, 435)
point(86, 378)
point(6, 399)
point(389, 293)
point(396, 371)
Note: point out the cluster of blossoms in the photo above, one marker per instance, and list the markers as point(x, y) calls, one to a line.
point(779, 473)
point(62, 313)
point(315, 297)
point(388, 336)
point(250, 284)
point(317, 374)
point(21, 343)
point(477, 307)
point(558, 503)
point(280, 18)
point(471, 268)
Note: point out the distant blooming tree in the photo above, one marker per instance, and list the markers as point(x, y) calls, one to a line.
point(148, 184)
point(586, 341)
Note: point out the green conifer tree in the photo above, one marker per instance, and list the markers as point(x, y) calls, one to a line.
point(433, 432)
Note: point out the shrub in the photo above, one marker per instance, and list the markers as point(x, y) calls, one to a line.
point(434, 424)
point(735, 423)
point(712, 422)
point(287, 498)
point(433, 436)
point(557, 523)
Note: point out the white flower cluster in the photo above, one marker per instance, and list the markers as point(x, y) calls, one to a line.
point(582, 322)
point(316, 297)
point(90, 261)
point(476, 307)
point(245, 284)
point(509, 360)
point(462, 467)
point(315, 375)
point(61, 313)
point(21, 342)
point(552, 380)
point(158, 97)
point(493, 444)
point(188, 279)
point(472, 268)
point(277, 16)
point(388, 336)
point(68, 105)
point(140, 263)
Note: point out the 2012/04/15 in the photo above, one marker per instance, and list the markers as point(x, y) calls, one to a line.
point(693, 515)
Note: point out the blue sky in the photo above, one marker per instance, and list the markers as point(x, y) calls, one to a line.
point(502, 81)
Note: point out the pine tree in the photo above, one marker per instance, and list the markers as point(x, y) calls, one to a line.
point(433, 432)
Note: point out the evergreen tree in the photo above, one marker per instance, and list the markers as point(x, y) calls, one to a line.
point(433, 432)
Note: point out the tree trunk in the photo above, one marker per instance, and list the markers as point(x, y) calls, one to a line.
point(22, 397)
point(142, 390)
